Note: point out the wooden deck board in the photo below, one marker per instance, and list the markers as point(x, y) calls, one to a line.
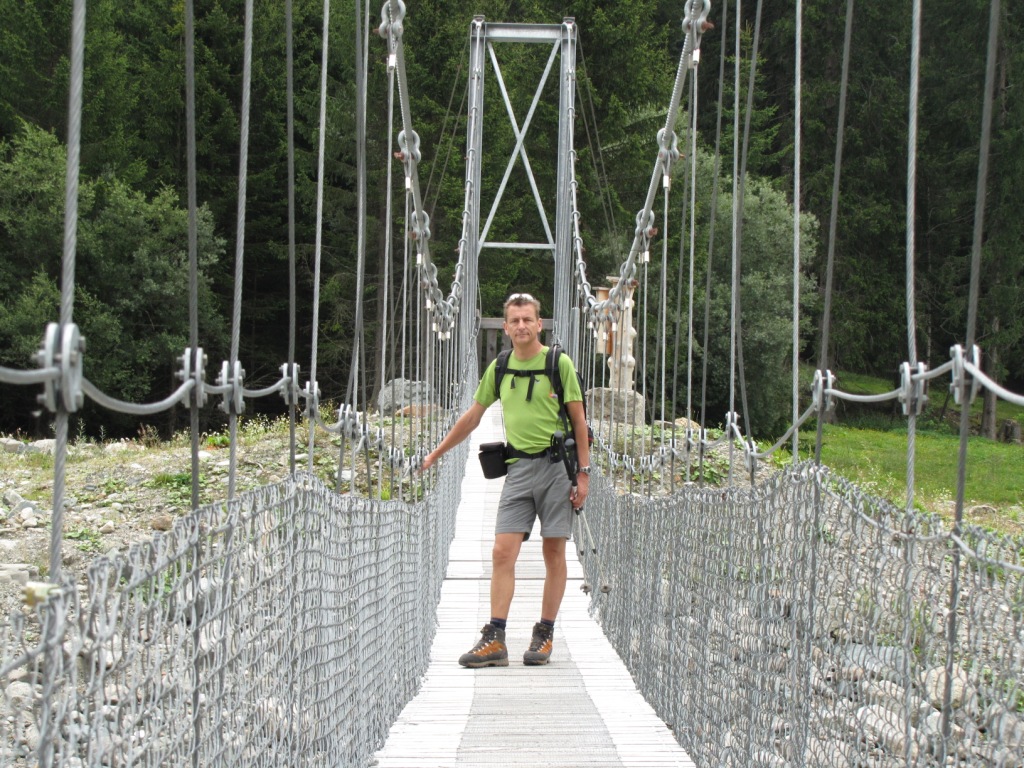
point(581, 710)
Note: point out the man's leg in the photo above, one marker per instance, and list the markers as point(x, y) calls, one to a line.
point(554, 588)
point(556, 573)
point(491, 651)
point(503, 576)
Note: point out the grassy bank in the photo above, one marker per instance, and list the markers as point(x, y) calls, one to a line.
point(869, 445)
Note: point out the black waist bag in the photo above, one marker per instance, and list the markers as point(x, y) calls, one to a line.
point(492, 460)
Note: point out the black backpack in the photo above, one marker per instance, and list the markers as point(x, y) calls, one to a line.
point(550, 370)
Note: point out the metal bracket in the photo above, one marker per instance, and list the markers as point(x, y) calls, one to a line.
point(349, 422)
point(64, 348)
point(419, 226)
point(234, 378)
point(290, 393)
point(410, 149)
point(195, 373)
point(913, 393)
point(312, 395)
point(669, 146)
point(392, 27)
point(961, 378)
point(821, 391)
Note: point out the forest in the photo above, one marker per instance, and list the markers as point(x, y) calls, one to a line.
point(132, 278)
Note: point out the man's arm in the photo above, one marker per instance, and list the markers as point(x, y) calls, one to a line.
point(578, 418)
point(462, 429)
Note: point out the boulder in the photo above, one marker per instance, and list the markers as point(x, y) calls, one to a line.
point(400, 393)
point(620, 406)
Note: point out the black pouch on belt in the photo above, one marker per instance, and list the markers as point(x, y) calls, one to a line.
point(492, 460)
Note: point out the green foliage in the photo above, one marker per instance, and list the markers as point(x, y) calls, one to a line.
point(132, 290)
point(87, 540)
point(129, 296)
point(178, 487)
point(765, 298)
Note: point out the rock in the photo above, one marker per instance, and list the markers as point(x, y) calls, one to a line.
point(822, 753)
point(118, 447)
point(934, 682)
point(879, 662)
point(17, 573)
point(1010, 432)
point(1007, 727)
point(417, 411)
point(108, 527)
point(43, 446)
point(893, 697)
point(161, 522)
point(399, 393)
point(620, 406)
point(12, 499)
point(10, 445)
point(683, 423)
point(887, 729)
point(929, 734)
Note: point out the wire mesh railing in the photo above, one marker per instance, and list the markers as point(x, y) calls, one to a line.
point(286, 627)
point(803, 622)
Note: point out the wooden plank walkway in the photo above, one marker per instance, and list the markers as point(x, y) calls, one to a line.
point(580, 710)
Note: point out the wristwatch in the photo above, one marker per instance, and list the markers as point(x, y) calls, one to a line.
point(583, 470)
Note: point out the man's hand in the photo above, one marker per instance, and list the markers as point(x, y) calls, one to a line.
point(578, 492)
point(429, 461)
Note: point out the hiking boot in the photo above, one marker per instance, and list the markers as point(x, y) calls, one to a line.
point(489, 652)
point(540, 646)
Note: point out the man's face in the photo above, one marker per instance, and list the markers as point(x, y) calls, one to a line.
point(522, 324)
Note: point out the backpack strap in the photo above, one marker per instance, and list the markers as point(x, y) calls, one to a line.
point(501, 368)
point(554, 374)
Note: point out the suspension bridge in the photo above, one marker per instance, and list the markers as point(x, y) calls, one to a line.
point(792, 619)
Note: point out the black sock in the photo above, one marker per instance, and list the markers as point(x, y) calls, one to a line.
point(498, 623)
point(548, 623)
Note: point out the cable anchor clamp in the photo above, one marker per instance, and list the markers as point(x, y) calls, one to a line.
point(63, 348)
point(349, 422)
point(821, 391)
point(232, 377)
point(193, 368)
point(961, 375)
point(392, 25)
point(312, 395)
point(291, 391)
point(913, 388)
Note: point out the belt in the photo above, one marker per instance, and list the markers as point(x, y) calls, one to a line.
point(515, 453)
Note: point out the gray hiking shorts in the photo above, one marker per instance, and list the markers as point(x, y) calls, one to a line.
point(535, 488)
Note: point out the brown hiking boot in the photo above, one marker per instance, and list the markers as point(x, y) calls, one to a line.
point(540, 646)
point(490, 651)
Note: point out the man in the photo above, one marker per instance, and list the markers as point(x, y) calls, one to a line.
point(536, 487)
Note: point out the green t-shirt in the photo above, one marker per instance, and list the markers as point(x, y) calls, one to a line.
point(530, 425)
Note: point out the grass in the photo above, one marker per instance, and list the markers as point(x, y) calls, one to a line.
point(86, 539)
point(177, 488)
point(995, 471)
point(869, 446)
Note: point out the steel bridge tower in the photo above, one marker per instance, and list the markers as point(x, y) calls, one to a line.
point(558, 240)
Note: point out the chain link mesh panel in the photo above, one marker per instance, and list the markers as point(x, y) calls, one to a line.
point(806, 623)
point(285, 628)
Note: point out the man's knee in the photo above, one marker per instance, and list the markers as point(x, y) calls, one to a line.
point(505, 552)
point(554, 551)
